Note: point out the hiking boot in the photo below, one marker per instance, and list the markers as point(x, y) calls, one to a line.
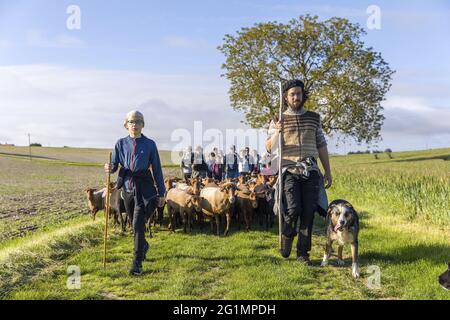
point(286, 246)
point(146, 248)
point(304, 260)
point(136, 269)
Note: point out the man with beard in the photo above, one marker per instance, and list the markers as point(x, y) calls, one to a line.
point(303, 142)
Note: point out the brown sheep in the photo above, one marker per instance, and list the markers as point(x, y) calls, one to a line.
point(218, 201)
point(179, 201)
point(246, 203)
point(96, 200)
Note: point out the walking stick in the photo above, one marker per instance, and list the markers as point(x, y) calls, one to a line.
point(280, 178)
point(107, 210)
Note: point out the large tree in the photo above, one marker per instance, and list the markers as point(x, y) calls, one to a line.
point(347, 81)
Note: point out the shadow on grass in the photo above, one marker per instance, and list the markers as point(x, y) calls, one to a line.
point(435, 253)
point(319, 227)
point(26, 156)
point(445, 157)
point(209, 261)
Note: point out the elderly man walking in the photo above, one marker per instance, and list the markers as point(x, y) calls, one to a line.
point(303, 142)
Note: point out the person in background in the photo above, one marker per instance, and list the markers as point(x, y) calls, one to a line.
point(186, 163)
point(231, 164)
point(245, 160)
point(256, 164)
point(221, 160)
point(210, 162)
point(216, 167)
point(200, 167)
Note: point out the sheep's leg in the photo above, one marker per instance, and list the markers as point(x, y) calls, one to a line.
point(189, 217)
point(266, 213)
point(172, 219)
point(179, 218)
point(116, 218)
point(122, 221)
point(150, 235)
point(247, 220)
point(126, 221)
point(161, 215)
point(340, 260)
point(200, 220)
point(218, 224)
point(131, 220)
point(211, 221)
point(228, 216)
point(238, 218)
point(183, 214)
point(155, 217)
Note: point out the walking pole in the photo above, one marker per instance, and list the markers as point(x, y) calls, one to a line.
point(280, 182)
point(107, 210)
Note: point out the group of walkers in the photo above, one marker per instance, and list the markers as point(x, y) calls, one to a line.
point(218, 166)
point(302, 193)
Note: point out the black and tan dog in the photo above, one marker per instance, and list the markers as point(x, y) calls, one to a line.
point(342, 225)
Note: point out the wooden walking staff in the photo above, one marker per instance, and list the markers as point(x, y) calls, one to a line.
point(107, 210)
point(280, 178)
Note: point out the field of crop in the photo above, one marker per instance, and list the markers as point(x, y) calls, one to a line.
point(404, 204)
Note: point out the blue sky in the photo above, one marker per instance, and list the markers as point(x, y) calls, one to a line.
point(162, 57)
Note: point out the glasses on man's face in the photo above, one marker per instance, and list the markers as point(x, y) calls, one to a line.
point(134, 122)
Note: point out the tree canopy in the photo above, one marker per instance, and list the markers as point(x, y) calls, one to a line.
point(346, 80)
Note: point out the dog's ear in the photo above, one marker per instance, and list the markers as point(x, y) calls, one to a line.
point(333, 210)
point(353, 217)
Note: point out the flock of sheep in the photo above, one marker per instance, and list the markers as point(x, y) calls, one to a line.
point(239, 201)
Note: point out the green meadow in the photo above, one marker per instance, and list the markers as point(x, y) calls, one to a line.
point(403, 202)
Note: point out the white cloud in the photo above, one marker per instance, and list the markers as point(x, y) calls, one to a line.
point(414, 116)
point(79, 107)
point(38, 38)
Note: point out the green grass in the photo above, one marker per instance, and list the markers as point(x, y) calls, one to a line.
point(403, 203)
point(241, 266)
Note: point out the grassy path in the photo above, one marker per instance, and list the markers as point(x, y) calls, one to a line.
point(241, 266)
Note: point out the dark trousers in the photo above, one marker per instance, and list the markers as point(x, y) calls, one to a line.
point(300, 200)
point(139, 208)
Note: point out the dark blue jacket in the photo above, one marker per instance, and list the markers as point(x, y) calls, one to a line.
point(137, 156)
